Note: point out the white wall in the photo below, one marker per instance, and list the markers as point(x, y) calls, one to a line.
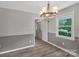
point(44, 28)
point(52, 26)
point(76, 21)
point(14, 22)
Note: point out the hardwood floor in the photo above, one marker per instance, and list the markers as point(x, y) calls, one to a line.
point(41, 49)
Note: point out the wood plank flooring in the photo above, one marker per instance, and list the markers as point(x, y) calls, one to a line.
point(41, 49)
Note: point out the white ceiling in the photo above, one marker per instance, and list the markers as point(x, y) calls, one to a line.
point(34, 6)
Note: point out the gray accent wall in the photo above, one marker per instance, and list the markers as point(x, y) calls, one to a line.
point(70, 45)
point(15, 42)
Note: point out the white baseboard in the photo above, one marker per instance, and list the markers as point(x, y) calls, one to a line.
point(9, 35)
point(72, 53)
point(17, 49)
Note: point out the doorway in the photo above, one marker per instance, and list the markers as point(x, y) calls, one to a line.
point(38, 30)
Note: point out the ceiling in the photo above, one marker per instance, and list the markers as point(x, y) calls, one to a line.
point(34, 6)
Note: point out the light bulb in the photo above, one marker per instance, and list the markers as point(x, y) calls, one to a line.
point(41, 12)
point(44, 9)
point(47, 14)
point(55, 9)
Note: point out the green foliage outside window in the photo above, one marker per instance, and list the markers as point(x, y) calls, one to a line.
point(65, 27)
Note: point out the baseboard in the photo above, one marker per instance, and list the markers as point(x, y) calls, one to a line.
point(72, 53)
point(16, 35)
point(17, 49)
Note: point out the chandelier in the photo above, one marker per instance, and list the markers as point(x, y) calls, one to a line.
point(49, 12)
